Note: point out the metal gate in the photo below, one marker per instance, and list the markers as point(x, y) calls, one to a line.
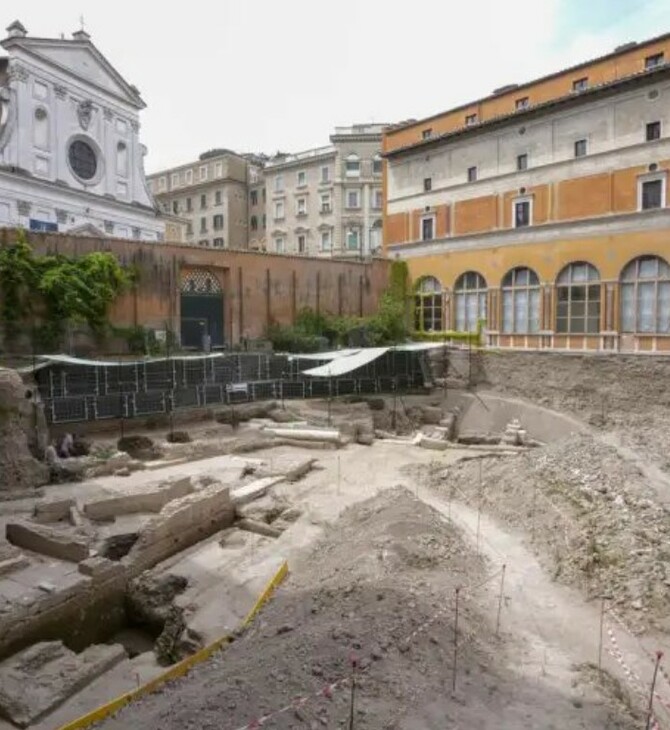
point(201, 310)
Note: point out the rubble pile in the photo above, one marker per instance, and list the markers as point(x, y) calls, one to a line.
point(590, 514)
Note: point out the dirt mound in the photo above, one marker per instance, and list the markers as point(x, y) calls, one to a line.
point(18, 467)
point(380, 585)
point(139, 447)
point(590, 514)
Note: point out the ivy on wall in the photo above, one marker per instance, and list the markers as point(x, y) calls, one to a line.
point(54, 290)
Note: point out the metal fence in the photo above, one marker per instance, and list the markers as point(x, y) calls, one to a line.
point(77, 391)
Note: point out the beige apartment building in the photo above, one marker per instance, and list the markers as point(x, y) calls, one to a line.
point(328, 201)
point(212, 196)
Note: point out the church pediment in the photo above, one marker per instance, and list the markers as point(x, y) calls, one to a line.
point(80, 59)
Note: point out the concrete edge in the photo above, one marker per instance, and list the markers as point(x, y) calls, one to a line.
point(181, 668)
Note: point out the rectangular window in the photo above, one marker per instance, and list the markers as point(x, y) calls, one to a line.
point(302, 206)
point(279, 183)
point(580, 148)
point(427, 184)
point(189, 177)
point(189, 205)
point(218, 197)
point(253, 197)
point(652, 194)
point(265, 221)
point(218, 243)
point(218, 169)
point(189, 228)
point(302, 179)
point(175, 207)
point(279, 244)
point(377, 199)
point(325, 203)
point(522, 103)
point(521, 213)
point(353, 199)
point(427, 226)
point(427, 134)
point(203, 242)
point(326, 241)
point(470, 119)
point(653, 131)
point(580, 84)
point(203, 225)
point(522, 162)
point(203, 172)
point(353, 239)
point(302, 243)
point(279, 210)
point(653, 61)
point(325, 174)
point(218, 222)
point(175, 180)
point(162, 183)
point(203, 201)
point(472, 174)
point(352, 166)
point(377, 166)
point(264, 194)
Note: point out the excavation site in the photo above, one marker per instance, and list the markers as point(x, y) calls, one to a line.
point(414, 538)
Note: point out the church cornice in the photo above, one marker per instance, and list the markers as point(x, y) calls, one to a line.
point(14, 174)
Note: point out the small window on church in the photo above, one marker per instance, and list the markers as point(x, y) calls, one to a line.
point(122, 159)
point(82, 159)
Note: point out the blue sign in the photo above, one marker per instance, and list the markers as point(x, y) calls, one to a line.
point(45, 226)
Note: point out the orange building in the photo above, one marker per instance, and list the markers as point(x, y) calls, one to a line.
point(542, 209)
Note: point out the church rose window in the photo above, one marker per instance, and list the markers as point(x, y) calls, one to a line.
point(82, 159)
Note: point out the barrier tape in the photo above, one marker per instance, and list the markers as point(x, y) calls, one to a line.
point(329, 689)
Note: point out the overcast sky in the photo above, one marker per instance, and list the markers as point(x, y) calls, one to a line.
point(268, 75)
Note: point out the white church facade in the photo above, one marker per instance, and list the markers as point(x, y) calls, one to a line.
point(70, 155)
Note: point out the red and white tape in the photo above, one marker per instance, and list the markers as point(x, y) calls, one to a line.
point(328, 691)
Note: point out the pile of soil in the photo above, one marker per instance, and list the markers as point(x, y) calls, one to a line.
point(386, 568)
point(591, 515)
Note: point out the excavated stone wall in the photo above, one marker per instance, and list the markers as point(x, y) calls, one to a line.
point(21, 425)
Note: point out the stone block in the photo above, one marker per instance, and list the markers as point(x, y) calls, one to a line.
point(431, 415)
point(260, 528)
point(254, 490)
point(149, 501)
point(47, 541)
point(180, 524)
point(9, 565)
point(434, 444)
point(39, 679)
point(100, 568)
point(53, 510)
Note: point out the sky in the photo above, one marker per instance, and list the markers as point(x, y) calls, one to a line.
point(269, 75)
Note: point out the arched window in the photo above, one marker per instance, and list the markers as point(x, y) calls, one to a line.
point(428, 305)
point(645, 296)
point(521, 301)
point(352, 165)
point(578, 294)
point(254, 223)
point(470, 296)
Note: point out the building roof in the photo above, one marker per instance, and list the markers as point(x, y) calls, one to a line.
point(44, 49)
point(571, 99)
point(618, 51)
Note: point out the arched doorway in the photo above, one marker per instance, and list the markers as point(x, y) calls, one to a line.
point(201, 309)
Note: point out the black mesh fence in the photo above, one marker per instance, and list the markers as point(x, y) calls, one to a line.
point(76, 391)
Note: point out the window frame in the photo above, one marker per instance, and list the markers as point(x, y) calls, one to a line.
point(654, 61)
point(377, 165)
point(427, 184)
point(301, 174)
point(466, 293)
point(302, 249)
point(324, 179)
point(471, 119)
point(203, 173)
point(570, 285)
point(432, 219)
point(358, 231)
point(280, 244)
point(534, 324)
point(357, 193)
point(329, 233)
point(521, 103)
point(473, 174)
point(660, 176)
point(216, 245)
point(325, 207)
point(429, 301)
point(522, 201)
point(634, 284)
point(581, 84)
point(301, 206)
point(582, 141)
point(653, 131)
point(522, 162)
point(350, 160)
point(218, 222)
point(279, 210)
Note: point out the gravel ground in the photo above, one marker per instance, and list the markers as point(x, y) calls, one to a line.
point(590, 514)
point(383, 570)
